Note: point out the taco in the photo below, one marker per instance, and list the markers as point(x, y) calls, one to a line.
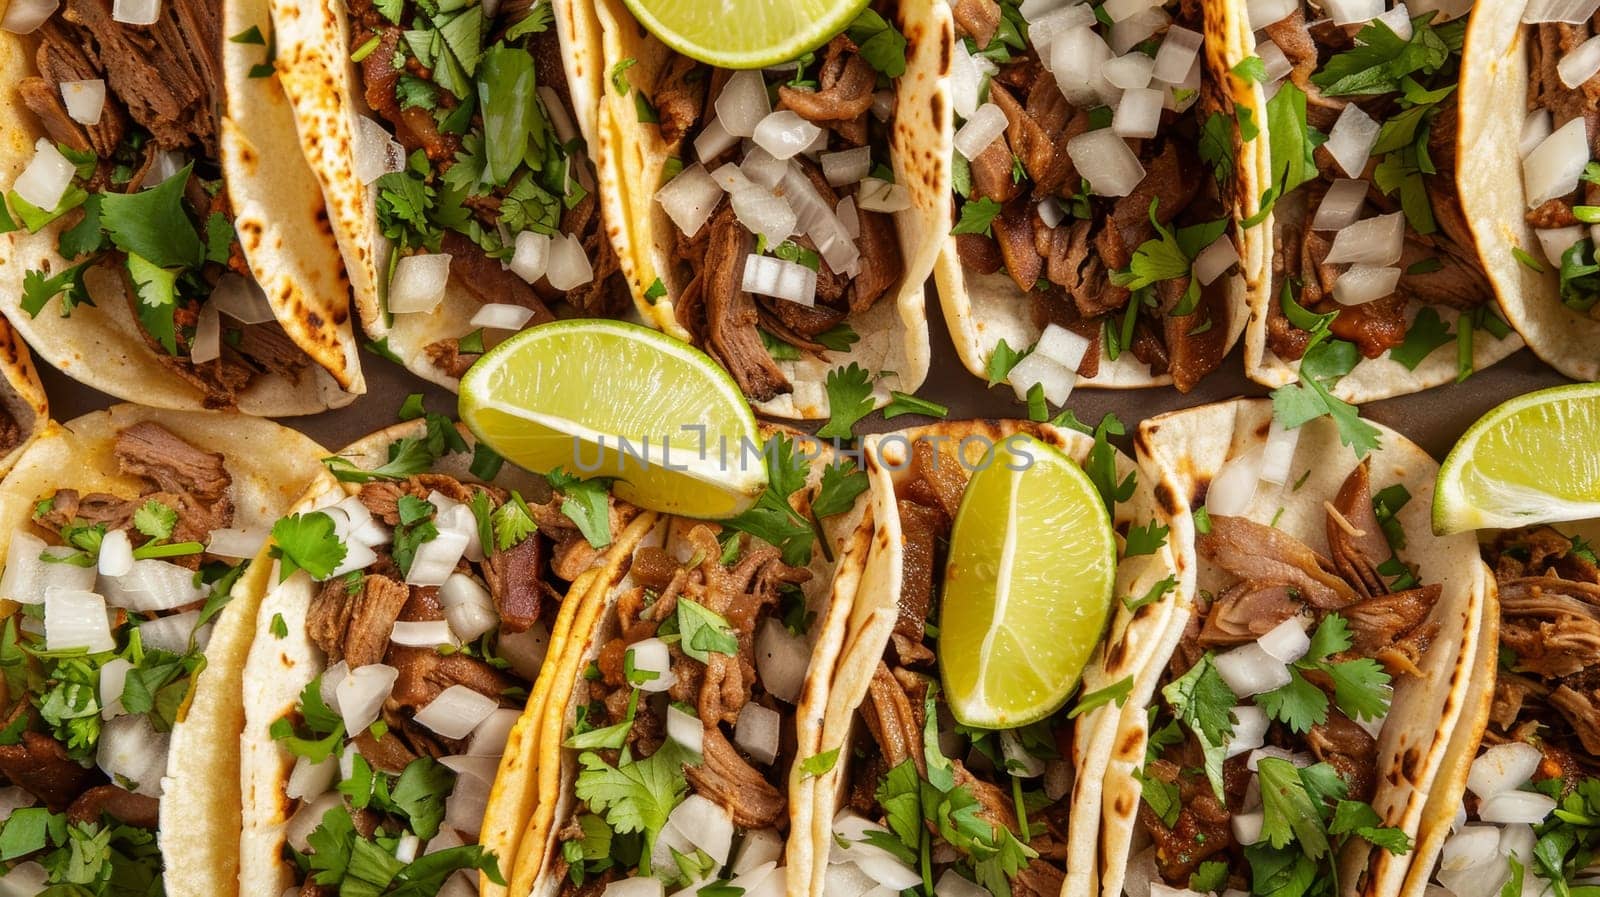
point(411, 604)
point(455, 170)
point(166, 244)
point(1521, 813)
point(124, 637)
point(902, 759)
point(834, 204)
point(1532, 232)
point(1314, 677)
point(1128, 237)
point(1374, 267)
point(699, 677)
point(24, 408)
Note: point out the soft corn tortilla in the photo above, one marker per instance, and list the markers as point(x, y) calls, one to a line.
point(1416, 749)
point(861, 635)
point(631, 156)
point(545, 785)
point(1494, 95)
point(21, 396)
point(983, 309)
point(270, 465)
point(282, 227)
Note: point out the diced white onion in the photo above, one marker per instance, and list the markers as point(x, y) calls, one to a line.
point(1555, 241)
point(377, 152)
point(1105, 160)
point(883, 104)
point(1286, 642)
point(356, 557)
point(1249, 729)
point(1055, 379)
point(419, 282)
point(1130, 32)
point(131, 748)
point(1298, 760)
point(361, 694)
point(1062, 346)
point(1119, 10)
point(502, 316)
point(1139, 113)
point(651, 656)
point(758, 847)
point(422, 633)
point(713, 141)
point(1469, 847)
point(152, 585)
point(560, 119)
point(1248, 670)
point(1278, 453)
point(25, 16)
point(1536, 126)
point(1552, 169)
point(489, 738)
point(639, 886)
point(85, 100)
point(817, 220)
point(1277, 65)
point(406, 850)
point(530, 256)
point(784, 134)
point(952, 884)
point(966, 77)
point(1579, 64)
point(707, 826)
point(468, 607)
point(1130, 70)
point(1341, 205)
point(436, 559)
point(136, 12)
point(1571, 12)
point(689, 198)
point(308, 817)
point(762, 213)
point(769, 276)
point(848, 166)
point(166, 164)
point(28, 577)
point(1503, 767)
point(1177, 56)
point(1019, 762)
point(1034, 10)
point(1398, 19)
point(1516, 806)
point(76, 619)
point(207, 343)
point(1050, 211)
point(1353, 12)
point(1266, 12)
point(174, 632)
point(1235, 484)
point(878, 195)
point(113, 677)
point(982, 128)
point(1043, 33)
point(526, 650)
point(743, 103)
point(757, 732)
point(1215, 259)
point(781, 660)
point(241, 299)
point(308, 780)
point(1517, 840)
point(1351, 140)
point(569, 264)
point(464, 808)
point(1247, 826)
point(1077, 59)
point(1363, 283)
point(686, 729)
point(845, 211)
point(456, 711)
point(116, 553)
point(46, 178)
point(331, 677)
point(762, 168)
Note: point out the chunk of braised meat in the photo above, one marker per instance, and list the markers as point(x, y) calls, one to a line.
point(40, 766)
point(118, 803)
point(1201, 831)
point(354, 626)
point(845, 85)
point(1350, 750)
point(920, 529)
point(151, 451)
point(1196, 342)
point(1356, 542)
point(1394, 628)
point(678, 96)
point(487, 280)
point(63, 57)
point(731, 314)
point(515, 584)
point(728, 780)
point(977, 19)
point(1254, 551)
point(1247, 610)
point(882, 265)
point(892, 720)
point(446, 355)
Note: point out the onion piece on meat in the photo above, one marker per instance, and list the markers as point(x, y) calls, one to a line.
point(1555, 241)
point(1215, 260)
point(1365, 283)
point(361, 694)
point(502, 316)
point(1265, 12)
point(878, 195)
point(639, 886)
point(1249, 729)
point(1130, 70)
point(1351, 139)
point(762, 213)
point(1278, 453)
point(116, 553)
point(1341, 206)
point(136, 12)
point(25, 16)
point(175, 632)
point(419, 282)
point(1118, 10)
point(531, 256)
point(982, 128)
point(966, 77)
point(233, 542)
point(651, 656)
point(686, 729)
point(689, 198)
point(785, 134)
point(1535, 128)
point(1131, 32)
point(1571, 12)
point(1353, 12)
point(1177, 56)
point(468, 607)
point(1580, 63)
point(757, 732)
point(1503, 767)
point(1277, 65)
point(1286, 642)
point(569, 264)
point(706, 825)
point(847, 166)
point(789, 281)
point(46, 178)
point(1077, 59)
point(131, 748)
point(1055, 379)
point(490, 737)
point(85, 100)
point(1248, 670)
point(1043, 34)
point(1139, 113)
point(743, 103)
point(1062, 346)
point(422, 633)
point(849, 219)
point(1234, 486)
point(1552, 169)
point(713, 141)
point(781, 660)
point(113, 678)
point(1247, 826)
point(377, 152)
point(308, 780)
point(526, 650)
point(28, 577)
point(153, 585)
point(952, 884)
point(436, 559)
point(1377, 241)
point(1105, 160)
point(456, 711)
point(1399, 21)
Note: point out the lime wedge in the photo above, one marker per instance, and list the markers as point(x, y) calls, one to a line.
point(608, 399)
point(1027, 589)
point(745, 34)
point(1529, 460)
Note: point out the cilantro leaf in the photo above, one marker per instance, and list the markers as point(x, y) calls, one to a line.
point(977, 217)
point(882, 45)
point(704, 632)
point(1115, 693)
point(903, 403)
point(841, 483)
point(586, 503)
point(1147, 539)
point(1001, 361)
point(306, 542)
point(849, 400)
point(153, 225)
point(1428, 332)
point(633, 796)
point(155, 520)
point(818, 764)
point(1203, 702)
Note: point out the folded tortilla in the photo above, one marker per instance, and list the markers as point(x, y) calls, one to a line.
point(298, 354)
point(1419, 612)
point(1440, 270)
point(1501, 82)
point(873, 634)
point(622, 67)
point(157, 770)
point(1001, 285)
point(24, 408)
point(757, 798)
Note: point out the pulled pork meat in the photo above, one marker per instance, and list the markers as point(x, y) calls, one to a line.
point(1066, 269)
point(1276, 578)
point(1438, 263)
point(707, 267)
point(894, 714)
point(1548, 690)
point(1551, 42)
point(163, 85)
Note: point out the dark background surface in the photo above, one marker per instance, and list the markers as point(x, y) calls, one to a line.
point(1434, 418)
